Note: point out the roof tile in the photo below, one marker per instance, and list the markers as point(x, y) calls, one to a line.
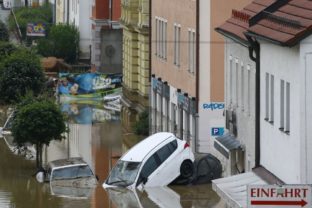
point(287, 24)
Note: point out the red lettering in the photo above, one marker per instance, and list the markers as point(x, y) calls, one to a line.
point(297, 192)
point(305, 192)
point(273, 192)
point(289, 192)
point(253, 192)
point(265, 192)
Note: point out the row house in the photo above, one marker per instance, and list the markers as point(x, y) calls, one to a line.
point(106, 36)
point(136, 56)
point(100, 31)
point(187, 77)
point(275, 35)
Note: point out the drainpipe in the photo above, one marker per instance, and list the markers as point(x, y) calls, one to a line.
point(197, 77)
point(254, 55)
point(150, 40)
point(67, 12)
point(197, 55)
point(110, 12)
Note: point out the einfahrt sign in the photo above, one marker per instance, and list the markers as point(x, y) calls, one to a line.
point(273, 196)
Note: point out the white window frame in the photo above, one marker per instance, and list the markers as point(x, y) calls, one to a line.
point(230, 87)
point(242, 81)
point(248, 88)
point(282, 105)
point(287, 108)
point(236, 81)
point(267, 96)
point(271, 118)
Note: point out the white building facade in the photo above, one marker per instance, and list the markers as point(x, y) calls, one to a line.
point(239, 108)
point(77, 13)
point(286, 123)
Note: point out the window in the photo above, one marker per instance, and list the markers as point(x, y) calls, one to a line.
point(242, 86)
point(285, 106)
point(248, 88)
point(236, 81)
point(165, 152)
point(269, 97)
point(267, 84)
point(150, 166)
point(231, 80)
point(156, 37)
point(282, 105)
point(165, 40)
point(177, 35)
point(272, 100)
point(191, 51)
point(161, 37)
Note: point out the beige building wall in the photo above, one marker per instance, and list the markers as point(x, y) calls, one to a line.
point(181, 12)
point(221, 10)
point(59, 11)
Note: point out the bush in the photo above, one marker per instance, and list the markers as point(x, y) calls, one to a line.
point(19, 73)
point(4, 32)
point(62, 42)
point(6, 49)
point(141, 127)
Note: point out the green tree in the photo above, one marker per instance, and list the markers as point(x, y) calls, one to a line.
point(19, 73)
point(62, 42)
point(4, 32)
point(38, 121)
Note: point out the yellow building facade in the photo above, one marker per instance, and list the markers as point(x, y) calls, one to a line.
point(136, 72)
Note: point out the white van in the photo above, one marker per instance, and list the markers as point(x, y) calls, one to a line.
point(155, 161)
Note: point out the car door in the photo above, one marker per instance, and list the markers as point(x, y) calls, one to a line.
point(147, 170)
point(169, 168)
point(160, 168)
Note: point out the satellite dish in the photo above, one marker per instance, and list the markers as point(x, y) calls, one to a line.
point(109, 51)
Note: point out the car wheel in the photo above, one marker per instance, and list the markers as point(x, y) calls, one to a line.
point(187, 169)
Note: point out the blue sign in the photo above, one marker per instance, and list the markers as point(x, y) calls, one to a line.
point(217, 131)
point(214, 106)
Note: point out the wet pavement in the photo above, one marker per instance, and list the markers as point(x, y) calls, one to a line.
point(97, 136)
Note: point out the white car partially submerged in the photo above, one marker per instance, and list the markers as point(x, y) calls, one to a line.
point(155, 161)
point(71, 172)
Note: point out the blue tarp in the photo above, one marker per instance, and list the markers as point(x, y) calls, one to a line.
point(87, 82)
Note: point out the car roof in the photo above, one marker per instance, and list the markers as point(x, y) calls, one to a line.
point(138, 152)
point(67, 162)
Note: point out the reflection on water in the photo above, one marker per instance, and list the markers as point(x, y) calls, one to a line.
point(95, 135)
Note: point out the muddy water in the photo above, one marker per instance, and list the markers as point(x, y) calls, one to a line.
point(97, 136)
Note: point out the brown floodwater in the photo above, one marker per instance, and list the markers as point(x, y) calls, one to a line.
point(97, 136)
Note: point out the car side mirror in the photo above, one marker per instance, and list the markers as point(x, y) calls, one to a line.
point(97, 177)
point(144, 180)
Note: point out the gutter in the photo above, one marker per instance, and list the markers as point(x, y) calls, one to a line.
point(254, 55)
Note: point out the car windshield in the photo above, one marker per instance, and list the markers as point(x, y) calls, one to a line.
point(124, 173)
point(71, 172)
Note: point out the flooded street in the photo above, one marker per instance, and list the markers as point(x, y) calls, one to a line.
point(97, 136)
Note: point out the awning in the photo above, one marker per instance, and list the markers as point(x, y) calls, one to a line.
point(233, 189)
point(226, 143)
